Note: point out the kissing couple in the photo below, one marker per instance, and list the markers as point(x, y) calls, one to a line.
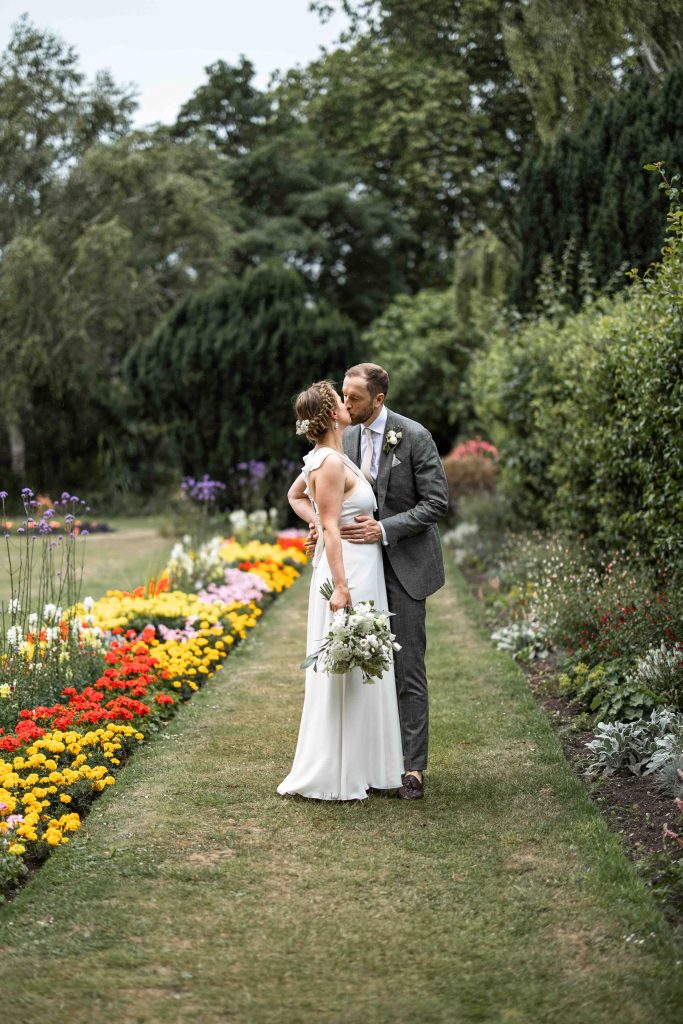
point(372, 490)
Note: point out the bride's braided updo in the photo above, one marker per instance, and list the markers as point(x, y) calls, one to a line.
point(314, 408)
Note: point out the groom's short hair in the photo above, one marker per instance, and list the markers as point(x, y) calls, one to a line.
point(376, 377)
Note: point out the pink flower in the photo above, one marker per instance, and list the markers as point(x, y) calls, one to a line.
point(474, 447)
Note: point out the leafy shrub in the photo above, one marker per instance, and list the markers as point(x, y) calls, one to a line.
point(523, 640)
point(427, 352)
point(264, 338)
point(482, 522)
point(641, 747)
point(671, 778)
point(469, 474)
point(597, 611)
point(585, 410)
point(605, 692)
point(661, 670)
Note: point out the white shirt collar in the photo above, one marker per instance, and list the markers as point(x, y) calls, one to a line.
point(378, 425)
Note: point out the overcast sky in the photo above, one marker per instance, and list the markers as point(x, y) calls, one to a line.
point(163, 46)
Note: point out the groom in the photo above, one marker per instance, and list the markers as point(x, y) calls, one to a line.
point(400, 459)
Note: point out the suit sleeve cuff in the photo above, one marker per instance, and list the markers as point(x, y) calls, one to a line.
point(384, 535)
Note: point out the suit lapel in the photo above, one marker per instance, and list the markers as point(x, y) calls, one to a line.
point(385, 460)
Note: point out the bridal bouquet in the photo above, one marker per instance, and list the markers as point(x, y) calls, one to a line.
point(359, 637)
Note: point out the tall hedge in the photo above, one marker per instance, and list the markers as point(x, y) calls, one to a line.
point(587, 411)
point(221, 371)
point(588, 187)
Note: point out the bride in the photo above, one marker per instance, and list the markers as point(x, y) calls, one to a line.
point(349, 737)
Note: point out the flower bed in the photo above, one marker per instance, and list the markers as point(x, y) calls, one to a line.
point(160, 645)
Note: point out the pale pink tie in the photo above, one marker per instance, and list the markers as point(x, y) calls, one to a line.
point(367, 458)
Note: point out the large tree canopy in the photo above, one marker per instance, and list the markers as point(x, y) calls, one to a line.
point(423, 101)
point(301, 201)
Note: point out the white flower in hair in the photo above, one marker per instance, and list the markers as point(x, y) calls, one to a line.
point(302, 426)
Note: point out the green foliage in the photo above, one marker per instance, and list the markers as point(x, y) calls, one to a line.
point(136, 225)
point(227, 109)
point(417, 339)
point(568, 54)
point(588, 188)
point(102, 231)
point(49, 118)
point(585, 410)
point(302, 202)
point(423, 102)
point(605, 692)
point(264, 339)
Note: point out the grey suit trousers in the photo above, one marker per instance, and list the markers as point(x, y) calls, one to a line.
point(408, 622)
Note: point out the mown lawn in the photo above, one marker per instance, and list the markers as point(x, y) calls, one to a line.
point(195, 893)
point(122, 560)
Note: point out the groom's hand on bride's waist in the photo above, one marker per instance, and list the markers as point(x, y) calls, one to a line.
point(311, 540)
point(363, 530)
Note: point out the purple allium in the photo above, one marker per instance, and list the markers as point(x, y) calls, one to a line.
point(26, 492)
point(85, 533)
point(203, 491)
point(21, 530)
point(254, 469)
point(48, 513)
point(3, 495)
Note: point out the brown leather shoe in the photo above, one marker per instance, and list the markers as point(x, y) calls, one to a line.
point(412, 788)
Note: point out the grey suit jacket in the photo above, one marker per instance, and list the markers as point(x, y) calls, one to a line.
point(412, 495)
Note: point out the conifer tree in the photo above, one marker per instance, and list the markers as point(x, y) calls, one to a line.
point(223, 368)
point(588, 189)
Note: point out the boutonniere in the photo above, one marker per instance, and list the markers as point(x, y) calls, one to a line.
point(391, 440)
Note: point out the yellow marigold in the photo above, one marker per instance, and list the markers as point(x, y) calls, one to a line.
point(26, 831)
point(16, 848)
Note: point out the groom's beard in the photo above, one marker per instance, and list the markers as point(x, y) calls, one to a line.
point(361, 417)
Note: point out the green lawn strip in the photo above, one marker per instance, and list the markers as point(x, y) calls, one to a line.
point(194, 893)
point(122, 560)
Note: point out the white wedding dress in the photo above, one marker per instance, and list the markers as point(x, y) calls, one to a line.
point(350, 736)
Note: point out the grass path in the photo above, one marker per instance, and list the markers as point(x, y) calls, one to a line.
point(195, 894)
